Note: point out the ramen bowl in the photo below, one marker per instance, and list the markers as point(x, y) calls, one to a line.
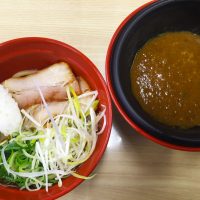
point(37, 53)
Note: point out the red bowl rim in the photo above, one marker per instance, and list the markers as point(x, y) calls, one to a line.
point(112, 92)
point(109, 107)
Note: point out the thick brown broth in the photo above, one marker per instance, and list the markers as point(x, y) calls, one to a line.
point(165, 78)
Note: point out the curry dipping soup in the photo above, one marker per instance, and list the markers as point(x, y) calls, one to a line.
point(165, 78)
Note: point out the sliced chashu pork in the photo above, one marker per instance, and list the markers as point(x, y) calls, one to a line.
point(39, 113)
point(52, 82)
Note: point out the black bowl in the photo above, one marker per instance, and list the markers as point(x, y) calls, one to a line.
point(147, 22)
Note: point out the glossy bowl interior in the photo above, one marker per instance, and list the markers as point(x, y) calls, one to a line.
point(37, 53)
point(143, 24)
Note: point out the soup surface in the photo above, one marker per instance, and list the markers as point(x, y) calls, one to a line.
point(165, 78)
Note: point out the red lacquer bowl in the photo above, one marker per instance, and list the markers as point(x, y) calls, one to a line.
point(37, 53)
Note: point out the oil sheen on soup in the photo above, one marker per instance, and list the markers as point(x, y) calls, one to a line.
point(165, 78)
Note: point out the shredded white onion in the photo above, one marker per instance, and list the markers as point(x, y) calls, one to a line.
point(31, 118)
